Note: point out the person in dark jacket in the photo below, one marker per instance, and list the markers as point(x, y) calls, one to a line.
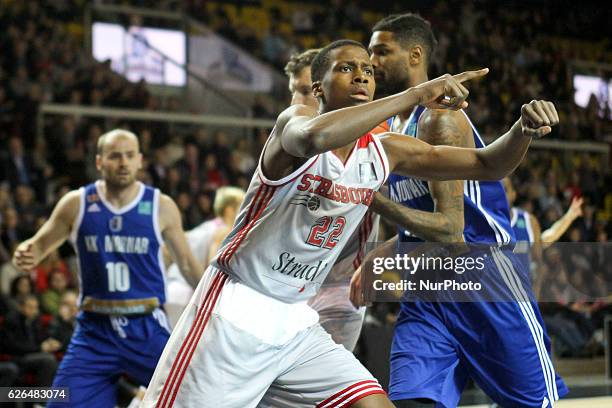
point(25, 339)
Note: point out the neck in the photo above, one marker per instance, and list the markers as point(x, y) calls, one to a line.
point(344, 151)
point(119, 196)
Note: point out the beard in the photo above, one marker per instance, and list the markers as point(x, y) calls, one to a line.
point(117, 183)
point(392, 82)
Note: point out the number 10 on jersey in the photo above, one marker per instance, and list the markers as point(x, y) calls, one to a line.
point(118, 276)
point(326, 231)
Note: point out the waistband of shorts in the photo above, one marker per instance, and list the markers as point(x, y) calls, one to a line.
point(125, 307)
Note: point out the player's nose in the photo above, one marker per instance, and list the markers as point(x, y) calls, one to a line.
point(360, 77)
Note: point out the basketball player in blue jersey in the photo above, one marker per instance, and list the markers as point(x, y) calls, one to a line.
point(530, 240)
point(437, 346)
point(117, 226)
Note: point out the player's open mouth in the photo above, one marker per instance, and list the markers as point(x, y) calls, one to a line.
point(362, 95)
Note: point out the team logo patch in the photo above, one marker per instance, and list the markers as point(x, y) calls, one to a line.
point(145, 207)
point(116, 223)
point(93, 208)
point(312, 202)
point(91, 198)
point(367, 172)
point(520, 223)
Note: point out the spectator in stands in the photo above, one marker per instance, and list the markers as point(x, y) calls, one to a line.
point(11, 231)
point(64, 323)
point(25, 338)
point(9, 372)
point(18, 168)
point(27, 207)
point(58, 285)
point(21, 286)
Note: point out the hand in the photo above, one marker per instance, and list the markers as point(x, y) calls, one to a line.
point(50, 345)
point(447, 91)
point(355, 293)
point(575, 209)
point(23, 257)
point(537, 118)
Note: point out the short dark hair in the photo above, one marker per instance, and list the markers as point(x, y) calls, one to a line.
point(321, 62)
point(298, 61)
point(409, 29)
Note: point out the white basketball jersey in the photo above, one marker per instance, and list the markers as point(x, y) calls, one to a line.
point(289, 233)
point(199, 240)
point(353, 253)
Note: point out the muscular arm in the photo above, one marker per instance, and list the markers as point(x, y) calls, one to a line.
point(51, 235)
point(445, 223)
point(419, 159)
point(172, 232)
point(306, 134)
point(300, 132)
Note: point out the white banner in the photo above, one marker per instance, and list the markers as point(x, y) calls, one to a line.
point(226, 66)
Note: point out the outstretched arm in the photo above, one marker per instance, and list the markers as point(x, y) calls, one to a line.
point(416, 158)
point(556, 230)
point(300, 132)
point(171, 227)
point(51, 235)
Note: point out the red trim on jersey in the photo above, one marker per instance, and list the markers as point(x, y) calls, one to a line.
point(181, 362)
point(364, 141)
point(263, 203)
point(253, 204)
point(260, 173)
point(381, 160)
point(347, 395)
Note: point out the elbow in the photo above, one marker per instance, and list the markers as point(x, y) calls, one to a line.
point(308, 144)
point(314, 142)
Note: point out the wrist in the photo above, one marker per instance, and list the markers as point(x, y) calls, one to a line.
point(413, 96)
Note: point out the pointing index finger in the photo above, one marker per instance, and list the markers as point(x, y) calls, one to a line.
point(467, 75)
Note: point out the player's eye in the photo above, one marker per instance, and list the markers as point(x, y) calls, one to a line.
point(368, 71)
point(346, 68)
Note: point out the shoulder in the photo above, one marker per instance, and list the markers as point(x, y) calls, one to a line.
point(444, 127)
point(70, 202)
point(166, 204)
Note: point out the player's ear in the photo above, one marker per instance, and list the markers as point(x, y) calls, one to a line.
point(416, 55)
point(317, 89)
point(98, 162)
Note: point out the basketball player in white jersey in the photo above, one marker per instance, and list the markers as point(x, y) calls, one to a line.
point(248, 337)
point(337, 315)
point(201, 239)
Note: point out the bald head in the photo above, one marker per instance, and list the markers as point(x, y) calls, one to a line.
point(119, 158)
point(112, 136)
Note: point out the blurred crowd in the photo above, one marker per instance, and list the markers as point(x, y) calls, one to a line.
point(527, 47)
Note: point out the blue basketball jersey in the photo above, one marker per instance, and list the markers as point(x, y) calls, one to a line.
point(119, 250)
point(521, 225)
point(486, 212)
